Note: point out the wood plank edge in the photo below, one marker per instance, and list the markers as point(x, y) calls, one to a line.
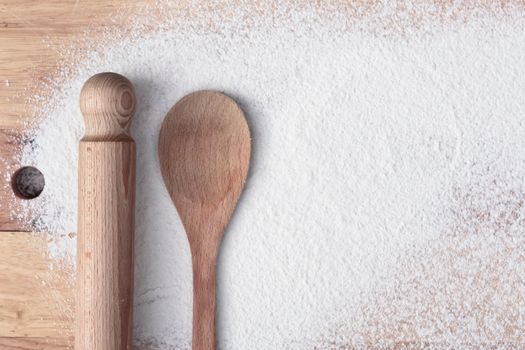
point(29, 343)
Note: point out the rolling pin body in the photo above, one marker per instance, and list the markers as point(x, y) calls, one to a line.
point(104, 291)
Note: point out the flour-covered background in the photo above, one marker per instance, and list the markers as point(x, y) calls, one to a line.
point(385, 201)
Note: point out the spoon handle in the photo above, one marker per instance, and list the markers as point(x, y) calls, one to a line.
point(203, 304)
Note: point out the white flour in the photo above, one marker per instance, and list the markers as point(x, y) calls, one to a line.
point(385, 202)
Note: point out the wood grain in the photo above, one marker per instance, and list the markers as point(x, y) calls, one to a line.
point(35, 299)
point(35, 343)
point(10, 146)
point(106, 209)
point(204, 152)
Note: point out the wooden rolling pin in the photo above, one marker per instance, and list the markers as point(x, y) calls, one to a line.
point(104, 289)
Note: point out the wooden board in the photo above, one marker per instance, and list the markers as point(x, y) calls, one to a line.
point(35, 300)
point(9, 147)
point(36, 303)
point(28, 343)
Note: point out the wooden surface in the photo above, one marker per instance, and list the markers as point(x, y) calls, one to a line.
point(35, 300)
point(31, 343)
point(31, 34)
point(204, 153)
point(106, 208)
point(36, 303)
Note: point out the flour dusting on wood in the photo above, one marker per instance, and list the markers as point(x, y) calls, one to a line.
point(385, 202)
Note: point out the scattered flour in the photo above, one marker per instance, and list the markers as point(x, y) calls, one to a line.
point(385, 202)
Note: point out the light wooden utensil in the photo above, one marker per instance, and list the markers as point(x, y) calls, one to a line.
point(204, 151)
point(104, 290)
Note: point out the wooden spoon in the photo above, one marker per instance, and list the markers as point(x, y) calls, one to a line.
point(204, 151)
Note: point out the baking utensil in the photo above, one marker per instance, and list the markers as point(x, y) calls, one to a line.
point(204, 152)
point(104, 290)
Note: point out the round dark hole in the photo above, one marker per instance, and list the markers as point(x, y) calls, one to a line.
point(28, 182)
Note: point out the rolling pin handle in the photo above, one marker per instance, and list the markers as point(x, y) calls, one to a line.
point(107, 102)
point(106, 207)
